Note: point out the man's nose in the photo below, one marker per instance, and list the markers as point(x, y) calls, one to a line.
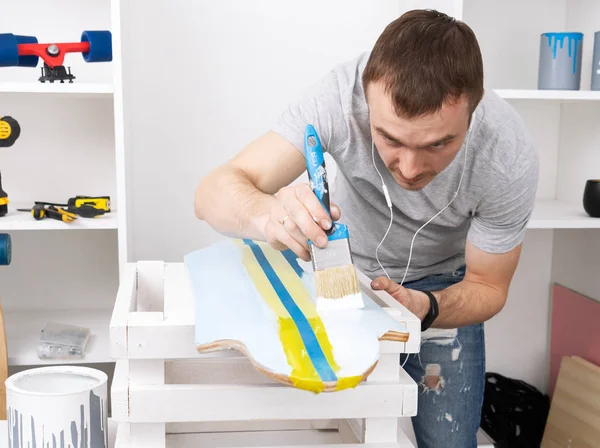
point(409, 164)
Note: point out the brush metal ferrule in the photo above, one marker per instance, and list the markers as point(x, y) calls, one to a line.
point(336, 253)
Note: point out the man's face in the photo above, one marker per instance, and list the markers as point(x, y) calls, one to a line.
point(416, 150)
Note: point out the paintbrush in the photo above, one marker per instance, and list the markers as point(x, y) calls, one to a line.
point(337, 283)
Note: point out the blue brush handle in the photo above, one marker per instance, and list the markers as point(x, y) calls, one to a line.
point(315, 165)
point(317, 175)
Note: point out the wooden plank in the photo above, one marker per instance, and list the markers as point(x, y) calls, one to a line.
point(314, 439)
point(380, 430)
point(122, 437)
point(371, 430)
point(119, 391)
point(387, 368)
point(179, 295)
point(230, 370)
point(272, 439)
point(173, 338)
point(246, 426)
point(151, 290)
point(177, 403)
point(398, 311)
point(147, 435)
point(345, 445)
point(147, 372)
point(574, 417)
point(158, 336)
point(351, 430)
point(124, 304)
point(410, 398)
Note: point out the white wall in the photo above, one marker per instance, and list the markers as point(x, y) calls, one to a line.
point(229, 68)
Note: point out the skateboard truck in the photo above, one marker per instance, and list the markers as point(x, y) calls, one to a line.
point(25, 51)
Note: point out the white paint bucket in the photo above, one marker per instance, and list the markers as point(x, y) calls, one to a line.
point(57, 406)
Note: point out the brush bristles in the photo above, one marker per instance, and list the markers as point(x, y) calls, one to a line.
point(337, 282)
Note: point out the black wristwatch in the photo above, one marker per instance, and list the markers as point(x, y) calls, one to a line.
point(432, 314)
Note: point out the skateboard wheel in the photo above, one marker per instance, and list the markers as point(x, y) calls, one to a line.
point(100, 46)
point(9, 51)
point(5, 249)
point(27, 61)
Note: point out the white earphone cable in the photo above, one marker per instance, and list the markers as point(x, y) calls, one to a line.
point(389, 203)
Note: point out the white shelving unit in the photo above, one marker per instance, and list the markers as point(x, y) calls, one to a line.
point(562, 241)
point(71, 144)
point(573, 96)
point(72, 90)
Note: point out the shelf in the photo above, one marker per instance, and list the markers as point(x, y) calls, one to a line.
point(23, 331)
point(561, 215)
point(16, 220)
point(72, 90)
point(552, 95)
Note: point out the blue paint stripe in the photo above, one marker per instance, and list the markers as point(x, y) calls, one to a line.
point(309, 338)
point(292, 259)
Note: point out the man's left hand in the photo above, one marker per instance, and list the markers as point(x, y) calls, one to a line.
point(416, 302)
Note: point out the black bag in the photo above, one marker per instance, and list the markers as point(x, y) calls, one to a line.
point(514, 413)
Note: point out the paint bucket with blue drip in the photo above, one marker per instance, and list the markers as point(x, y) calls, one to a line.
point(57, 406)
point(595, 84)
point(560, 61)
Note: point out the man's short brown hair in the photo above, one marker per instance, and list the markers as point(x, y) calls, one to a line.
point(426, 58)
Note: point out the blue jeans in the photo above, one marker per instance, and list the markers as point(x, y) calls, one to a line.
point(450, 372)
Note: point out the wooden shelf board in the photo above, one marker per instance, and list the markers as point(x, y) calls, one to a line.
point(561, 215)
point(75, 89)
point(556, 95)
point(17, 220)
point(23, 332)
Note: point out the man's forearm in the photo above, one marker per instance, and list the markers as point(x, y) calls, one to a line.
point(232, 205)
point(467, 303)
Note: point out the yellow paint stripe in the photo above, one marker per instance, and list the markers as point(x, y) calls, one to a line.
point(302, 298)
point(348, 382)
point(304, 374)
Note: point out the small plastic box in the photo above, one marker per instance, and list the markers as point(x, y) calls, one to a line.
point(61, 341)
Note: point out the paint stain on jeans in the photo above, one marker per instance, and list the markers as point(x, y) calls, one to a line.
point(443, 336)
point(433, 381)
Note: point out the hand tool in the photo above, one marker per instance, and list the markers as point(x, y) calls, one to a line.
point(337, 283)
point(84, 206)
point(10, 130)
point(41, 211)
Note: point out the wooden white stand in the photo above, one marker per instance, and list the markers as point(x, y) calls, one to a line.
point(166, 394)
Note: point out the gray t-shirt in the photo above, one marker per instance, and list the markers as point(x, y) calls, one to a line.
point(493, 205)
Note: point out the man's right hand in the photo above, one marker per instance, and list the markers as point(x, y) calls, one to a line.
point(296, 217)
point(254, 196)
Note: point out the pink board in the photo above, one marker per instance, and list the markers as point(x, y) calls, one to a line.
point(575, 329)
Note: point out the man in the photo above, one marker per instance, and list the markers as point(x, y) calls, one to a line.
point(414, 97)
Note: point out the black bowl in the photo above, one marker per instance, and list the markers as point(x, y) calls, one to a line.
point(591, 198)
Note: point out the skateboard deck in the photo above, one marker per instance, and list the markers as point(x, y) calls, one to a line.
point(261, 302)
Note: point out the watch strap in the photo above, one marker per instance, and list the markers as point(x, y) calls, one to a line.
point(433, 312)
